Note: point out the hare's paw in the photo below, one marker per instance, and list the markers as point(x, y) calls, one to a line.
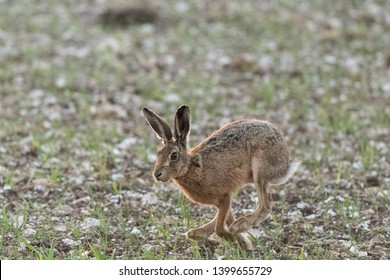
point(241, 225)
point(245, 223)
point(244, 242)
point(197, 234)
point(226, 235)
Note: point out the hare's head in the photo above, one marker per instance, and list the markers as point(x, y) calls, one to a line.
point(172, 160)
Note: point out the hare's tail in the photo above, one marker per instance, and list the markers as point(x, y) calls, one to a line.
point(294, 164)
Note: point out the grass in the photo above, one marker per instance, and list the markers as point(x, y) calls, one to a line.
point(74, 146)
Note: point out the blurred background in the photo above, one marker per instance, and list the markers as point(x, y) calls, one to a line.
point(76, 154)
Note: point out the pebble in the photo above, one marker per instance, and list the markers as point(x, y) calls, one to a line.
point(29, 232)
point(40, 188)
point(89, 223)
point(182, 7)
point(149, 199)
point(63, 210)
point(329, 199)
point(135, 231)
point(147, 247)
point(117, 177)
point(345, 244)
point(22, 247)
point(318, 229)
point(294, 215)
point(115, 199)
point(18, 221)
point(358, 252)
point(70, 242)
point(127, 143)
point(301, 205)
point(7, 187)
point(331, 213)
point(310, 217)
point(60, 228)
point(85, 199)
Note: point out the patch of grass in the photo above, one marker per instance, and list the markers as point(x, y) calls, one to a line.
point(148, 86)
point(185, 212)
point(368, 153)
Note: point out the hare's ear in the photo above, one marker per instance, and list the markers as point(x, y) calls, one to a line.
point(159, 126)
point(182, 124)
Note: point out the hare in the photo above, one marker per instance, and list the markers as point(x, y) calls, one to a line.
point(239, 153)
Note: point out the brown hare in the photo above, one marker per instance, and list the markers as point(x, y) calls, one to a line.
point(239, 153)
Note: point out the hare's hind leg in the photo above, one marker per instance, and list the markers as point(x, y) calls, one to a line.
point(260, 214)
point(259, 168)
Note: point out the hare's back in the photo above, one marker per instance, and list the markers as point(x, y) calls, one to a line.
point(246, 134)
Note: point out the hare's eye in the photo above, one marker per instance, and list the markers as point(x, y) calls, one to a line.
point(174, 156)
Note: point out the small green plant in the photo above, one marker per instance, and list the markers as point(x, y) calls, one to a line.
point(302, 253)
point(148, 86)
point(163, 231)
point(56, 176)
point(195, 251)
point(75, 230)
point(149, 255)
point(43, 253)
point(9, 179)
point(185, 211)
point(368, 153)
point(97, 252)
point(339, 173)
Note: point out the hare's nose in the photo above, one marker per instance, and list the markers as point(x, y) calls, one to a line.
point(158, 175)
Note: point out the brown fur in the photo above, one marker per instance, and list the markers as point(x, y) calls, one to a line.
point(241, 152)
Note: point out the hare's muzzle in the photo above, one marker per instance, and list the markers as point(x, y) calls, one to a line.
point(157, 175)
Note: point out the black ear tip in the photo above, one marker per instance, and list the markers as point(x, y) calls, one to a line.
point(184, 108)
point(145, 111)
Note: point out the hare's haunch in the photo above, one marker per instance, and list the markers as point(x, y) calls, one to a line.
point(241, 152)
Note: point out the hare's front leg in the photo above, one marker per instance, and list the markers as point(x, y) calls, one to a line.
point(224, 219)
point(206, 230)
point(220, 224)
point(260, 214)
point(217, 224)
